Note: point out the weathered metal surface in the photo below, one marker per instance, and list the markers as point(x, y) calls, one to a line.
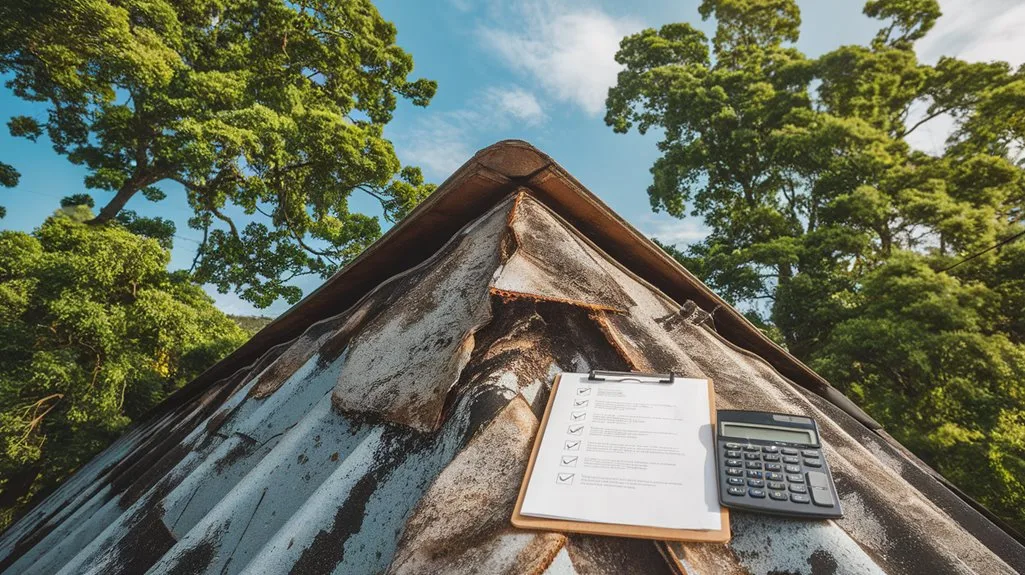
point(392, 438)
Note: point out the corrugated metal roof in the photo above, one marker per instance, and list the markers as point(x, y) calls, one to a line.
point(391, 437)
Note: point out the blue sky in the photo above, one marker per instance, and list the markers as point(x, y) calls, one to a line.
point(537, 70)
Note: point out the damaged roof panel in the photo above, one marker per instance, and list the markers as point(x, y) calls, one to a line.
point(391, 436)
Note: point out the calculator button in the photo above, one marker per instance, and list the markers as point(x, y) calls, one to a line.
point(733, 454)
point(734, 472)
point(778, 495)
point(773, 467)
point(795, 478)
point(738, 491)
point(756, 482)
point(788, 451)
point(754, 464)
point(770, 457)
point(813, 462)
point(774, 477)
point(770, 449)
point(732, 446)
point(810, 453)
point(797, 498)
point(756, 475)
point(795, 488)
point(820, 492)
point(760, 493)
point(777, 485)
point(754, 456)
point(793, 468)
point(788, 459)
point(733, 463)
point(752, 448)
point(734, 481)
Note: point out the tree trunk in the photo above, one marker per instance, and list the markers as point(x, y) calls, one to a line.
point(116, 203)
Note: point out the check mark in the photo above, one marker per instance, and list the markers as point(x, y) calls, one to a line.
point(565, 478)
point(573, 445)
point(576, 429)
point(569, 460)
point(582, 391)
point(578, 415)
point(580, 403)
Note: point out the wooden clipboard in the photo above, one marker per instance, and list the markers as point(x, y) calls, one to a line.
point(721, 535)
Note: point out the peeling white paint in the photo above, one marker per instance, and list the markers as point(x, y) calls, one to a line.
point(767, 544)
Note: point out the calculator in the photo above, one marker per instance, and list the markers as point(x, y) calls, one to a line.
point(773, 463)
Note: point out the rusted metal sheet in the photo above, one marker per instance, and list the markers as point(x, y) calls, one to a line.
point(392, 437)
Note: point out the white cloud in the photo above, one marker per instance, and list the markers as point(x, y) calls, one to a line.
point(440, 142)
point(930, 137)
point(462, 5)
point(517, 103)
point(670, 230)
point(569, 51)
point(972, 30)
point(978, 31)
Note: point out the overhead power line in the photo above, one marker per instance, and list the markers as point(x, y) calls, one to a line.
point(989, 249)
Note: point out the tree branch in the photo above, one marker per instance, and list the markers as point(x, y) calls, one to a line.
point(924, 120)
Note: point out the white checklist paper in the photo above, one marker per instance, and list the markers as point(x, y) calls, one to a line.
point(634, 452)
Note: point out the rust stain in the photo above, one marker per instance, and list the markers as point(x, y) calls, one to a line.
point(706, 557)
point(606, 330)
point(513, 295)
point(512, 212)
point(538, 559)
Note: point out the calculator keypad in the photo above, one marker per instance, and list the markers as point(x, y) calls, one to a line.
point(765, 475)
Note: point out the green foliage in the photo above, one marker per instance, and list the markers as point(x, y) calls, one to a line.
point(8, 179)
point(819, 209)
point(93, 333)
point(275, 110)
point(77, 200)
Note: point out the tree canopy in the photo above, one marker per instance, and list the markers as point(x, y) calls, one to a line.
point(273, 110)
point(844, 242)
point(94, 331)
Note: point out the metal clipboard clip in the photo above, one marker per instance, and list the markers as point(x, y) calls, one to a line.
point(605, 375)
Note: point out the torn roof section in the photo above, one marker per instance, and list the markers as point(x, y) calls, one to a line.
point(390, 436)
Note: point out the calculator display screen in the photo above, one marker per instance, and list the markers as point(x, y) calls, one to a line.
point(768, 433)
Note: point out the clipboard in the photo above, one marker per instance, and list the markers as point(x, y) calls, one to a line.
point(721, 535)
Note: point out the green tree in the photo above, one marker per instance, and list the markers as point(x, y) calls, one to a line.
point(836, 233)
point(8, 179)
point(94, 331)
point(272, 109)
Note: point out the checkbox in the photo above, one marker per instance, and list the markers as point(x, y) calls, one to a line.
point(582, 391)
point(576, 430)
point(569, 460)
point(578, 415)
point(580, 402)
point(565, 478)
point(572, 445)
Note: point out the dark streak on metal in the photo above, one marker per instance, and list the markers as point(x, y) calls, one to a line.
point(244, 447)
point(145, 543)
point(328, 547)
point(244, 530)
